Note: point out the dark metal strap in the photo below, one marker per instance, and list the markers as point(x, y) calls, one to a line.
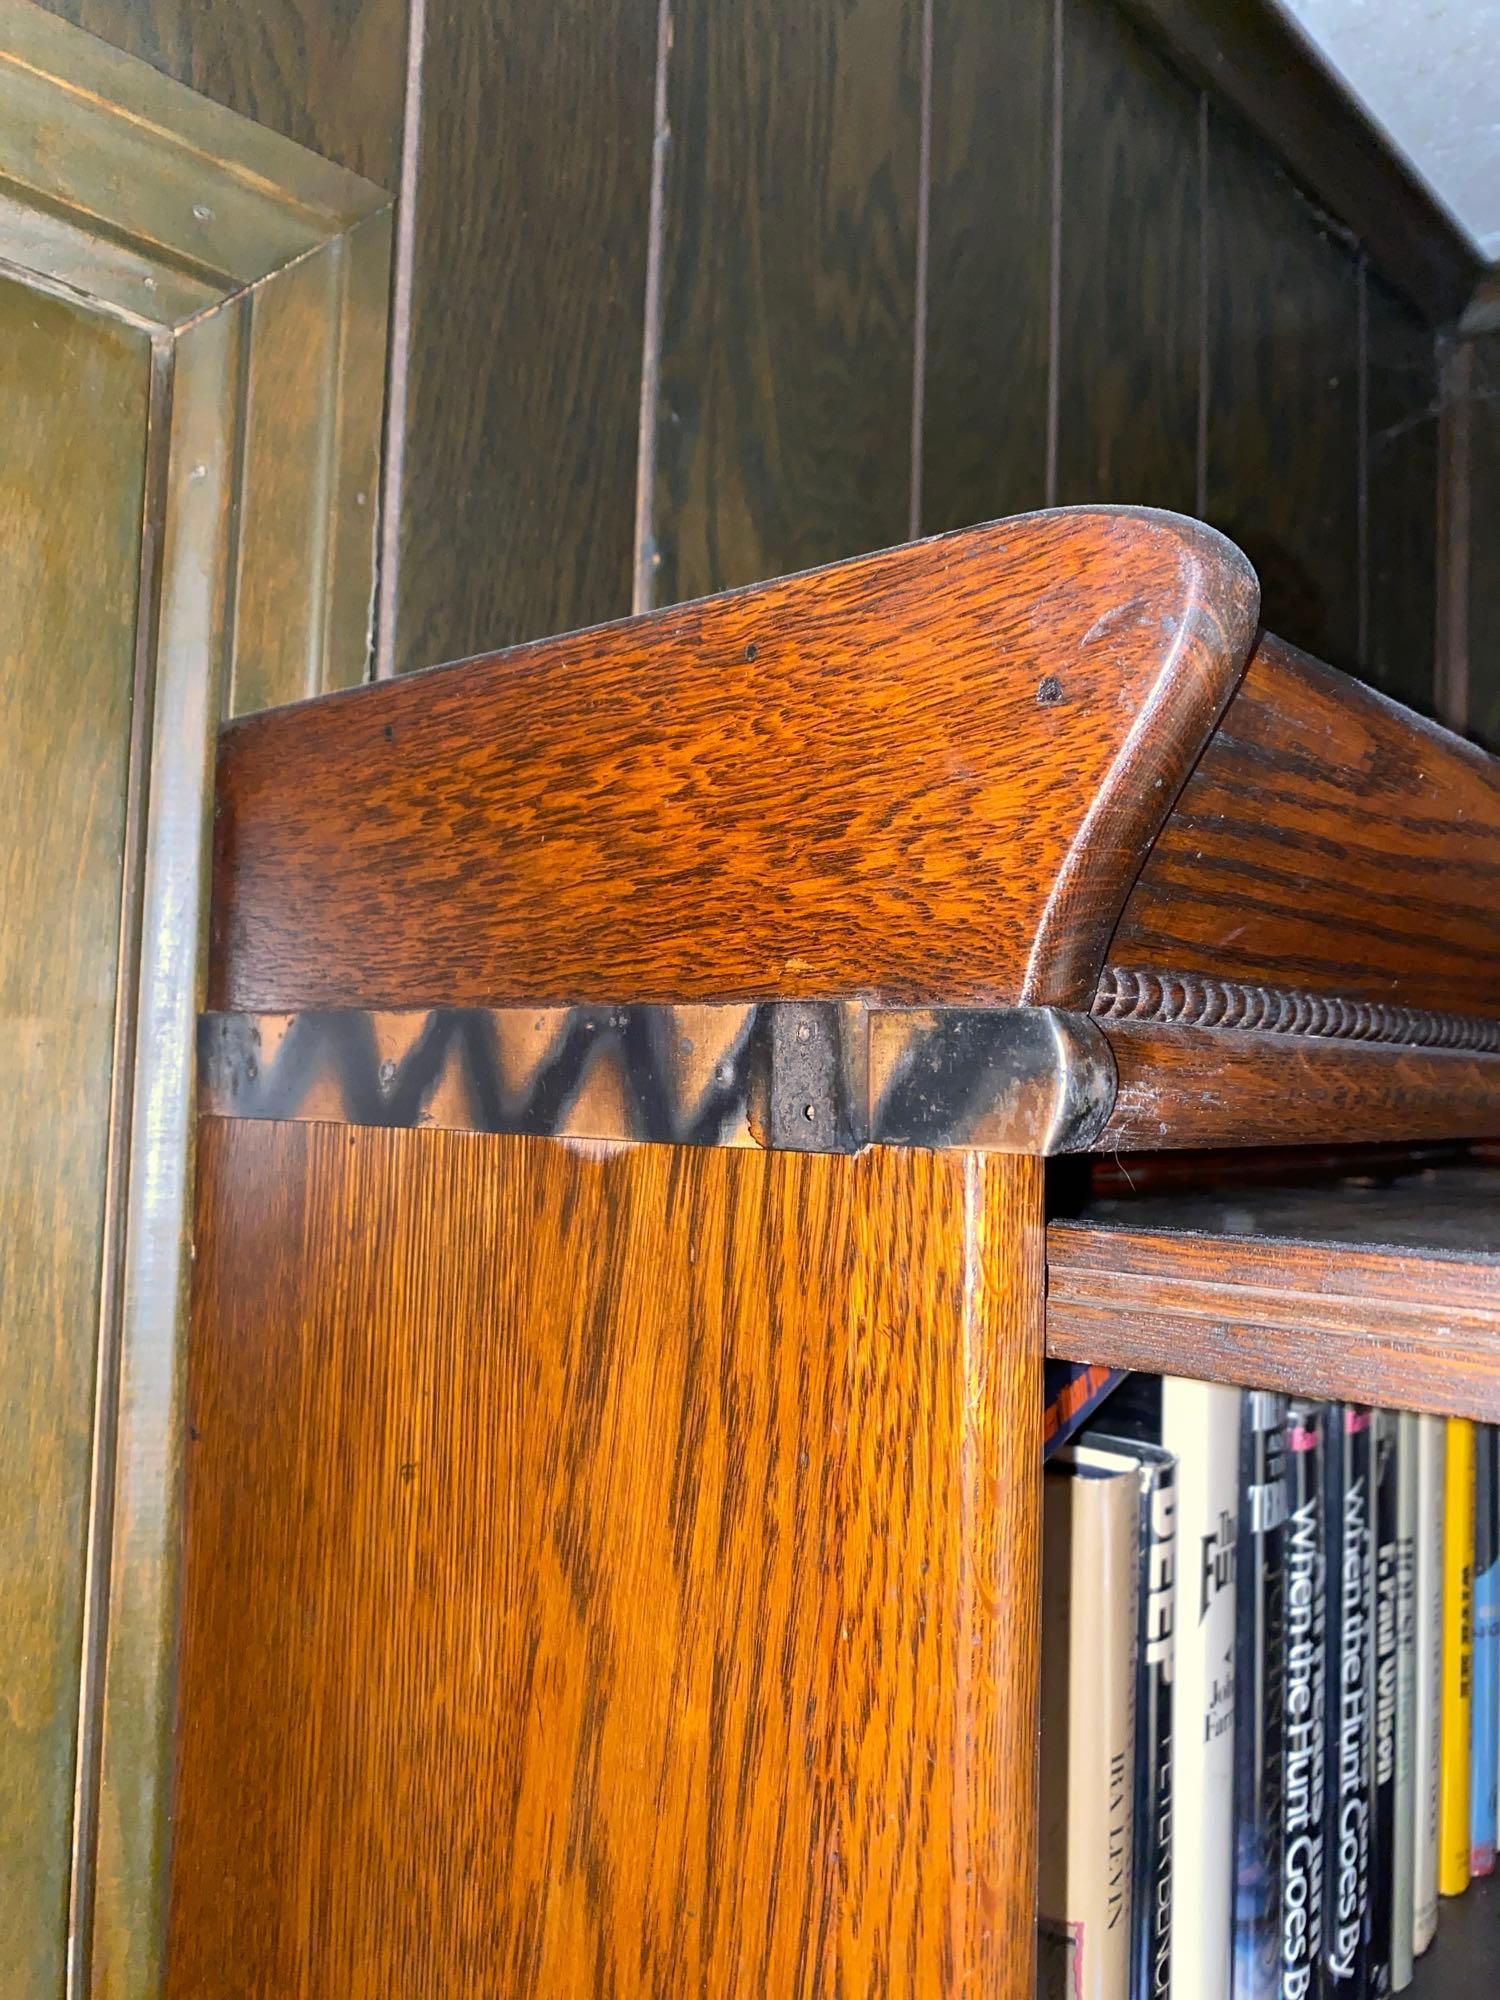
point(811, 1077)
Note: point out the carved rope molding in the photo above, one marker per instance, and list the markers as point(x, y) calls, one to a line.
point(1191, 1000)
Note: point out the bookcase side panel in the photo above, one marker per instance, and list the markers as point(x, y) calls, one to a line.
point(609, 1568)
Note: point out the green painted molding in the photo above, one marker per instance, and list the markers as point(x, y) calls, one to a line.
point(233, 287)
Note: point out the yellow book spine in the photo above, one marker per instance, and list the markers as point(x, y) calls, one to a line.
point(1458, 1659)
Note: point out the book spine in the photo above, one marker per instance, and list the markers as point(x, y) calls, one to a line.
point(1348, 1529)
point(1303, 1705)
point(1432, 1457)
point(1200, 1424)
point(1486, 1656)
point(1259, 1640)
point(1090, 1537)
point(1403, 1843)
point(1151, 1947)
point(1381, 1626)
point(1071, 1391)
point(1458, 1660)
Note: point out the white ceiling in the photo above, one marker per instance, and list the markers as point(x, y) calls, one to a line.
point(1428, 71)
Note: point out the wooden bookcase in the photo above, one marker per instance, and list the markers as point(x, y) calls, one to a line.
point(624, 1268)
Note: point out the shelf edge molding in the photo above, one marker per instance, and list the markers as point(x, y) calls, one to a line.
point(1380, 1326)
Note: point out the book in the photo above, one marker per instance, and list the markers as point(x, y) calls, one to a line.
point(1199, 1423)
point(1258, 1698)
point(1303, 1704)
point(1090, 1539)
point(1432, 1458)
point(1482, 1772)
point(1403, 1837)
point(1071, 1392)
point(1348, 1527)
point(1381, 1628)
point(1151, 1880)
point(1458, 1659)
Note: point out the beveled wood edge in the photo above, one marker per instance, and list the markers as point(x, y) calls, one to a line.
point(122, 1823)
point(1210, 641)
point(1225, 1087)
point(1392, 1327)
point(182, 186)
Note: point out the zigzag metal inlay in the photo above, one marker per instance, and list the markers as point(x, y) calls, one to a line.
point(1191, 1000)
point(816, 1076)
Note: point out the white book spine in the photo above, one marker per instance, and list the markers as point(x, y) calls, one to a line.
point(1200, 1423)
point(1432, 1440)
point(1405, 1827)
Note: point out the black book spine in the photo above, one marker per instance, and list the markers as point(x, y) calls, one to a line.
point(1151, 1943)
point(1349, 1543)
point(1258, 1699)
point(1304, 1719)
point(1382, 1629)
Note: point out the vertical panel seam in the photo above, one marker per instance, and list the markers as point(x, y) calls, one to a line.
point(1054, 282)
point(919, 327)
point(1454, 527)
point(646, 556)
point(1362, 465)
point(99, 1529)
point(403, 265)
point(1201, 447)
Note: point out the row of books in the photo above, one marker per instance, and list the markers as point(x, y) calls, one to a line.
point(1270, 1693)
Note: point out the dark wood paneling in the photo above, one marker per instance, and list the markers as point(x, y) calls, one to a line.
point(1326, 841)
point(1129, 341)
point(789, 287)
point(1283, 396)
point(524, 364)
point(929, 774)
point(1251, 57)
point(1401, 499)
point(1483, 690)
point(328, 73)
point(608, 1572)
point(984, 417)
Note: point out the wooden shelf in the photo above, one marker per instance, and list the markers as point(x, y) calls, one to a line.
point(1460, 1962)
point(1383, 1293)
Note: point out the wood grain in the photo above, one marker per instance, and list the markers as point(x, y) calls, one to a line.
point(1283, 443)
point(1400, 620)
point(988, 280)
point(812, 789)
point(1253, 59)
point(309, 468)
point(118, 1921)
point(610, 1570)
point(1327, 840)
point(71, 488)
point(287, 64)
point(1206, 1087)
point(523, 361)
point(1482, 690)
point(1377, 1295)
point(1130, 286)
point(789, 287)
